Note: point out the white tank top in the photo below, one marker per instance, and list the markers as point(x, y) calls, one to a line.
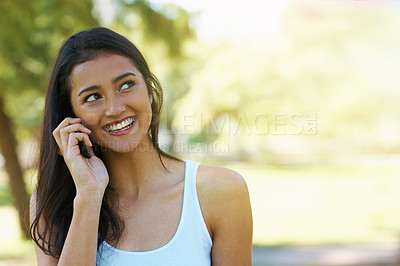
point(190, 246)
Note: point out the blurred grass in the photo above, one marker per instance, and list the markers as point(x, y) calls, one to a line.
point(322, 205)
point(291, 206)
point(13, 249)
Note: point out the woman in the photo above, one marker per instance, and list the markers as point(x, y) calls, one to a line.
point(130, 203)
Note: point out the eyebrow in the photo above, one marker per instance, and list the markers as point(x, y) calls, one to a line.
point(88, 89)
point(95, 87)
point(123, 76)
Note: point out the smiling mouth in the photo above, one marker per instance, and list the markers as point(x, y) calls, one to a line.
point(121, 126)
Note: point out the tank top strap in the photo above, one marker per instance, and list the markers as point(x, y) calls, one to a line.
point(191, 206)
point(190, 176)
point(190, 191)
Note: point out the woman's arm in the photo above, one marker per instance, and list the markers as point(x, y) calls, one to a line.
point(80, 246)
point(225, 202)
point(91, 178)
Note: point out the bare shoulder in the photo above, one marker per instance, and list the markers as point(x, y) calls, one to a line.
point(225, 203)
point(211, 179)
point(222, 193)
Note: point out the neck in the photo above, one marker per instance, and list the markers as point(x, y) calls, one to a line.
point(136, 171)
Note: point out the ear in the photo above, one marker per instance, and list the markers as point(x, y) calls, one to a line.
point(151, 99)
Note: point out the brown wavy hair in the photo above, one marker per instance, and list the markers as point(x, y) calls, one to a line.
point(55, 190)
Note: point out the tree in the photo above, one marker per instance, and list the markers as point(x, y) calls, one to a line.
point(31, 32)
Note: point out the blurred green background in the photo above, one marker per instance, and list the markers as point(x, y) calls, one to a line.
point(299, 97)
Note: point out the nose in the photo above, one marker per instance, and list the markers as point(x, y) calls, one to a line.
point(115, 106)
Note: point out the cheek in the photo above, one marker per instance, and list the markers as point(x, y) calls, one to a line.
point(146, 112)
point(90, 120)
point(140, 103)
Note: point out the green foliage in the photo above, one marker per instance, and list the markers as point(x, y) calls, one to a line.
point(340, 64)
point(5, 196)
point(31, 33)
point(165, 24)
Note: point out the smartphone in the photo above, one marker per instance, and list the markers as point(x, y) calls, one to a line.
point(82, 146)
point(84, 149)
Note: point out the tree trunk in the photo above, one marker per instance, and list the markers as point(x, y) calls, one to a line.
point(13, 168)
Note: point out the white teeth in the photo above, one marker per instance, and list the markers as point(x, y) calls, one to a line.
point(121, 125)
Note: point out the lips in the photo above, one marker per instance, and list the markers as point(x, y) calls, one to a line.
point(121, 126)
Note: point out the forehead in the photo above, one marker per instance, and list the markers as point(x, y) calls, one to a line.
point(103, 68)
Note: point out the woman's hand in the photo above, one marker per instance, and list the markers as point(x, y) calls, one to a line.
point(90, 175)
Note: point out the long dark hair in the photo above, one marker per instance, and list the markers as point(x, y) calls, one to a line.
point(55, 190)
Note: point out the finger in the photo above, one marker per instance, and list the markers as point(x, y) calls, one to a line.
point(66, 122)
point(89, 144)
point(64, 133)
point(75, 128)
point(87, 141)
point(73, 140)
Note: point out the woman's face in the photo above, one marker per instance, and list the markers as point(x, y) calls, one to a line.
point(110, 95)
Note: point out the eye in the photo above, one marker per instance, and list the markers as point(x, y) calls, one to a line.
point(127, 85)
point(92, 98)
